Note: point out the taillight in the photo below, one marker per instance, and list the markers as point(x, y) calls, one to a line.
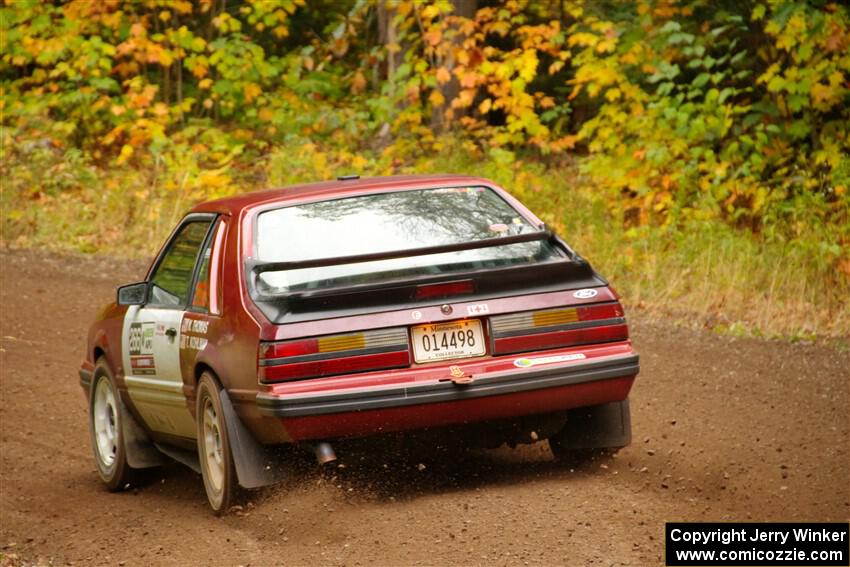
point(334, 354)
point(562, 327)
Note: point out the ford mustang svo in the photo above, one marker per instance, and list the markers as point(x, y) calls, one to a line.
point(354, 308)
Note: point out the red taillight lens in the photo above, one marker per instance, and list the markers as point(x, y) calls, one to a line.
point(334, 354)
point(554, 328)
point(445, 289)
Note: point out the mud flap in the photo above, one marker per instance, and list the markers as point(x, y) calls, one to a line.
point(255, 464)
point(141, 453)
point(606, 426)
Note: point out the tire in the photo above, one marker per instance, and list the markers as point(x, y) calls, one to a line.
point(106, 415)
point(217, 466)
point(593, 430)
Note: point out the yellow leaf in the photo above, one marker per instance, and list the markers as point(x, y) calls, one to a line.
point(359, 163)
point(443, 75)
point(606, 45)
point(184, 7)
point(200, 71)
point(126, 153)
point(266, 114)
point(821, 94)
point(464, 99)
point(430, 12)
point(436, 98)
point(433, 37)
point(583, 39)
point(485, 105)
point(358, 83)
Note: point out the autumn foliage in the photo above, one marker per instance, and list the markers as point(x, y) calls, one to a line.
point(675, 111)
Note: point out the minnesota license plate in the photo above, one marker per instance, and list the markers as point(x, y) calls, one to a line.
point(444, 341)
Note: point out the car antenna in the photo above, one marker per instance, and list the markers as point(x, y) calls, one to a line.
point(347, 177)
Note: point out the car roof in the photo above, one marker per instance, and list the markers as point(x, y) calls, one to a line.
point(332, 189)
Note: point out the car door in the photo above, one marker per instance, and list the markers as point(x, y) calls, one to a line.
point(152, 332)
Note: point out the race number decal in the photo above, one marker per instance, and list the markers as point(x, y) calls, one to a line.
point(140, 346)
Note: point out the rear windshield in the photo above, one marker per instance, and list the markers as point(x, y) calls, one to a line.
point(390, 222)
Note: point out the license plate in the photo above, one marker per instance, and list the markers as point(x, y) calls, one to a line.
point(444, 341)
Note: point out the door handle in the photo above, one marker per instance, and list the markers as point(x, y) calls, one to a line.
point(171, 333)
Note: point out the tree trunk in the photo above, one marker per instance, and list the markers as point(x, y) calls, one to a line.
point(388, 35)
point(442, 116)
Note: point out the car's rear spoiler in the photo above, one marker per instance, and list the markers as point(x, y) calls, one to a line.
point(258, 266)
point(569, 272)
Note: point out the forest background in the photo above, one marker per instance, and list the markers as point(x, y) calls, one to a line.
point(696, 151)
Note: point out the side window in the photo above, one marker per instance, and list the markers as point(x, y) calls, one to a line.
point(173, 277)
point(201, 294)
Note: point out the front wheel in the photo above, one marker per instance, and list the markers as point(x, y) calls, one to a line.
point(217, 466)
point(106, 415)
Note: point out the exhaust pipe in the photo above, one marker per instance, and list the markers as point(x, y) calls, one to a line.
point(324, 453)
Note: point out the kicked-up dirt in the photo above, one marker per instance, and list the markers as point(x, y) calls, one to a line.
point(724, 429)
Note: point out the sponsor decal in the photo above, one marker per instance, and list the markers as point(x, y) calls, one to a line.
point(197, 326)
point(140, 348)
point(477, 309)
point(192, 333)
point(528, 362)
point(584, 293)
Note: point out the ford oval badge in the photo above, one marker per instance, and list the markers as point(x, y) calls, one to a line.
point(584, 293)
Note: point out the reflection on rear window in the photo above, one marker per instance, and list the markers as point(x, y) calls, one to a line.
point(388, 222)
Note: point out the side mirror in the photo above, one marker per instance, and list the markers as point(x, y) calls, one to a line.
point(133, 294)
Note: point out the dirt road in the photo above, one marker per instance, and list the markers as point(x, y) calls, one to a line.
point(724, 429)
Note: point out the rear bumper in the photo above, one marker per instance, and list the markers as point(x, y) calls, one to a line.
point(495, 395)
point(493, 384)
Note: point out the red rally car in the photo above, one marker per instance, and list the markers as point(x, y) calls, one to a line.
point(352, 308)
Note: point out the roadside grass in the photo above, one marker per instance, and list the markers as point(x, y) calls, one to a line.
point(704, 274)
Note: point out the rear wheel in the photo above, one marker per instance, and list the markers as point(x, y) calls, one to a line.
point(217, 466)
point(106, 415)
point(593, 430)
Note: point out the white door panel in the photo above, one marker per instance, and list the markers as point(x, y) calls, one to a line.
point(151, 338)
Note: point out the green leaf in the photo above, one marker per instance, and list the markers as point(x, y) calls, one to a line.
point(701, 80)
point(670, 27)
point(776, 84)
point(681, 37)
